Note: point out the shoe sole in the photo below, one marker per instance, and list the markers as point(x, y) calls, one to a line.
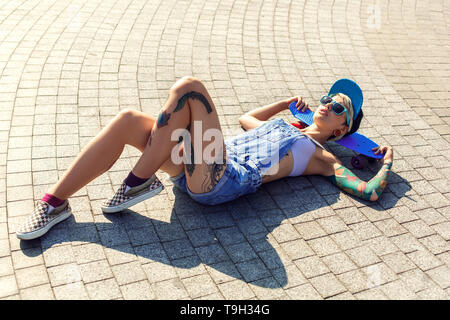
point(39, 233)
point(132, 202)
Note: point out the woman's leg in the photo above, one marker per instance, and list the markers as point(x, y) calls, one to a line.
point(188, 106)
point(128, 127)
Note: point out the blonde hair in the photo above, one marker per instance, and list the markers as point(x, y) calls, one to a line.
point(347, 102)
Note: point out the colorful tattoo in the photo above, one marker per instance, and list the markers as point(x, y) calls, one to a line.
point(163, 119)
point(371, 190)
point(164, 116)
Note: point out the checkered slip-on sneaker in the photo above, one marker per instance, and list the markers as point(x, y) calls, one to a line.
point(122, 200)
point(42, 219)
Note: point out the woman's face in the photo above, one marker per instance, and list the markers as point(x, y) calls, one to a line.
point(325, 118)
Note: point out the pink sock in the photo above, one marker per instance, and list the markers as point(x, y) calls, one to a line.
point(52, 200)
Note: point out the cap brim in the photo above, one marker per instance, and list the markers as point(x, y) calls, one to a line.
point(352, 90)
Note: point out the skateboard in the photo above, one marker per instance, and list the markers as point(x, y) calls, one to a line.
point(356, 141)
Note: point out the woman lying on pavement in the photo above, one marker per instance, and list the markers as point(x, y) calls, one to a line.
point(178, 142)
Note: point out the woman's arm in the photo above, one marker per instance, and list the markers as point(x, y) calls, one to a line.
point(371, 190)
point(258, 116)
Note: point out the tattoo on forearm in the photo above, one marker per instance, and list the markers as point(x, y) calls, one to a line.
point(372, 190)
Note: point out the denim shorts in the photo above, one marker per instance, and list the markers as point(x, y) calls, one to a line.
point(249, 156)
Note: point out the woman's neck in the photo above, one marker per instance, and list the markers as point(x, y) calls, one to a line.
point(314, 132)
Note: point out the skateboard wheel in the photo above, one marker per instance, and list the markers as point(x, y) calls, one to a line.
point(359, 162)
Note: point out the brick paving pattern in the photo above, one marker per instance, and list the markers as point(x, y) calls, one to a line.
point(68, 67)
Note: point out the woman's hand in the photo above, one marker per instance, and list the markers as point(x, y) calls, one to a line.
point(301, 105)
point(388, 151)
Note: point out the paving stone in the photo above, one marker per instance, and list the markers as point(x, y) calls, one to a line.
point(140, 290)
point(236, 289)
point(327, 285)
point(390, 227)
point(223, 272)
point(58, 255)
point(6, 267)
point(289, 276)
point(365, 230)
point(362, 256)
point(435, 243)
point(228, 236)
point(240, 252)
point(285, 232)
point(304, 292)
point(354, 280)
point(297, 249)
point(398, 290)
point(44, 292)
point(381, 245)
point(266, 289)
point(157, 271)
point(310, 230)
point(31, 276)
point(398, 262)
point(441, 276)
point(323, 246)
point(433, 293)
point(128, 273)
point(332, 224)
point(424, 259)
point(378, 274)
point(442, 229)
point(407, 243)
point(53, 107)
point(311, 266)
point(418, 228)
point(64, 274)
point(103, 290)
point(71, 291)
point(200, 285)
point(339, 263)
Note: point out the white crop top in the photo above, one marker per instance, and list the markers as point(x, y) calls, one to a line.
point(302, 150)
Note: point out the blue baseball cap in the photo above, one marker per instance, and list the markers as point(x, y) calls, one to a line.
point(352, 90)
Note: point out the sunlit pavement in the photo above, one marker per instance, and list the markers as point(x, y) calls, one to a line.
point(68, 67)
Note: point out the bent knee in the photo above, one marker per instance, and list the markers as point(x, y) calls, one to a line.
point(127, 114)
point(186, 84)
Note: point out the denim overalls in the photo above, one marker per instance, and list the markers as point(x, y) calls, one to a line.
point(249, 156)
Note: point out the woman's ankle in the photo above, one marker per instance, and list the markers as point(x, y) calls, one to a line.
point(52, 200)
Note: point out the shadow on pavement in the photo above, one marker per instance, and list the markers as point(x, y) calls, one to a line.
point(234, 238)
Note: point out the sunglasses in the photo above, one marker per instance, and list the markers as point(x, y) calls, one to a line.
point(336, 107)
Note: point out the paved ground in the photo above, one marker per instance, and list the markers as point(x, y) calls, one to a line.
point(67, 67)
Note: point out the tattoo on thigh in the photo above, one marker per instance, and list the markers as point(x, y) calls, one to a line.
point(164, 116)
point(193, 95)
point(190, 167)
point(150, 138)
point(213, 176)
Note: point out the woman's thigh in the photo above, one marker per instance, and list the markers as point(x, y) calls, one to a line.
point(138, 133)
point(206, 154)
